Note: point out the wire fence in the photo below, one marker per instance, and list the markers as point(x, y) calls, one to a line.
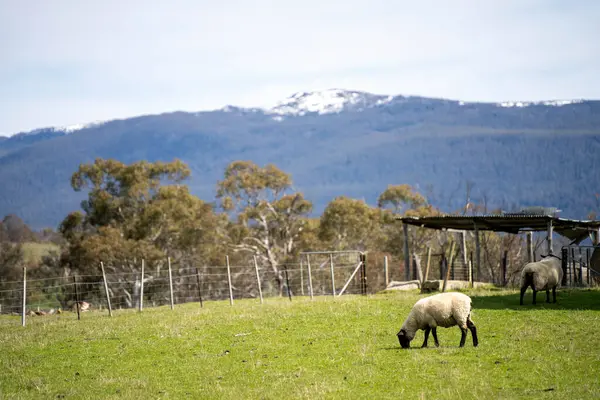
point(112, 288)
point(135, 285)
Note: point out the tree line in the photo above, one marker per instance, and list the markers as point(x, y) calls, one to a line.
point(144, 210)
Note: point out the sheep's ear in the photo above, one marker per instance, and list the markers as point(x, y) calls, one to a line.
point(402, 332)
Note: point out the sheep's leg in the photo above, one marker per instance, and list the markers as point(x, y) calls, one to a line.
point(427, 330)
point(547, 295)
point(434, 332)
point(463, 336)
point(554, 294)
point(534, 294)
point(523, 289)
point(473, 330)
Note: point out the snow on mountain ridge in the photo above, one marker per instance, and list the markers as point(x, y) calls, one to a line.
point(555, 103)
point(67, 129)
point(326, 102)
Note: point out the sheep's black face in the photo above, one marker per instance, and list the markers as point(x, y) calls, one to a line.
point(404, 341)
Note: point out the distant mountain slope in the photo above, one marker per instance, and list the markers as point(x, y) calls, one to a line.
point(334, 143)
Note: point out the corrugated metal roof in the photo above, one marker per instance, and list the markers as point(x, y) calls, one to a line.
point(575, 230)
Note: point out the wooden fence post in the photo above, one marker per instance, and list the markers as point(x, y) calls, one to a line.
point(386, 271)
point(171, 283)
point(76, 296)
point(142, 288)
point(258, 280)
point(448, 266)
point(470, 272)
point(24, 311)
point(106, 289)
point(477, 254)
point(229, 281)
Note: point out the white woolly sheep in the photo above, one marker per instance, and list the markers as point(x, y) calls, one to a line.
point(545, 274)
point(443, 309)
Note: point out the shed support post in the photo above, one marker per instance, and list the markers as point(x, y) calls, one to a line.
point(564, 264)
point(406, 255)
point(477, 255)
point(549, 237)
point(530, 247)
point(463, 246)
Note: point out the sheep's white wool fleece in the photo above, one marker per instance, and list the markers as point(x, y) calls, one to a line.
point(547, 273)
point(443, 309)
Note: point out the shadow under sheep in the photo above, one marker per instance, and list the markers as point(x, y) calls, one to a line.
point(566, 299)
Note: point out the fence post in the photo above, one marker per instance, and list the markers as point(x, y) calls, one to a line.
point(142, 288)
point(477, 254)
point(364, 277)
point(447, 266)
point(573, 271)
point(504, 265)
point(287, 282)
point(24, 312)
point(301, 278)
point(386, 271)
point(106, 289)
point(428, 263)
point(199, 287)
point(470, 272)
point(332, 274)
point(258, 280)
point(580, 269)
point(229, 281)
point(76, 296)
point(310, 287)
point(587, 254)
point(171, 283)
point(565, 264)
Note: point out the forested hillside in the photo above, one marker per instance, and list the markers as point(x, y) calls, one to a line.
point(539, 154)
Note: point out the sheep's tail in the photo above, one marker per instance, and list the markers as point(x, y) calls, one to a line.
point(527, 279)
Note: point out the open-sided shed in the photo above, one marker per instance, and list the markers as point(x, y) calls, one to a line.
point(575, 230)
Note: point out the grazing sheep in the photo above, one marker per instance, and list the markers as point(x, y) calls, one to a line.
point(443, 309)
point(545, 274)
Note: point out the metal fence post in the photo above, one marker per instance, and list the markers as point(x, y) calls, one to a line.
point(106, 289)
point(171, 283)
point(24, 311)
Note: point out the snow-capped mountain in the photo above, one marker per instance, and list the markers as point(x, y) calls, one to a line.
point(333, 142)
point(327, 101)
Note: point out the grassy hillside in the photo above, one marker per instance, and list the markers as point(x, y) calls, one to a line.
point(342, 348)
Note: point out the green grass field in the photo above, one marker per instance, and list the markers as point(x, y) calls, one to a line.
point(328, 348)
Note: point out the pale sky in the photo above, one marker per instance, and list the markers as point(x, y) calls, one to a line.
point(69, 62)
